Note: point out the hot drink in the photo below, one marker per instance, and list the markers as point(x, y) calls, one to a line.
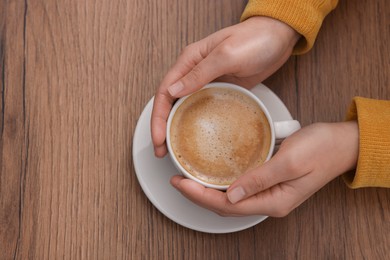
point(217, 134)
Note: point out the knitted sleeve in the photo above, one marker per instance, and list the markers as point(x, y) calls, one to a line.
point(305, 16)
point(373, 167)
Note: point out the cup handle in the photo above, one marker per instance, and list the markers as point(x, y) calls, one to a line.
point(286, 128)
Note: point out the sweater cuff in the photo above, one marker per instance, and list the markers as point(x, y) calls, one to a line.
point(373, 167)
point(303, 16)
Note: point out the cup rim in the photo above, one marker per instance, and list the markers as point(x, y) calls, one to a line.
point(226, 86)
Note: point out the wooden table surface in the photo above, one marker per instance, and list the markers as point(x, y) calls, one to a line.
point(75, 76)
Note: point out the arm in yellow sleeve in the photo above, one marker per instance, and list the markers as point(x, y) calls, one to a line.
point(373, 167)
point(305, 16)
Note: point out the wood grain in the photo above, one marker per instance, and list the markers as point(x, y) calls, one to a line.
point(12, 131)
point(76, 75)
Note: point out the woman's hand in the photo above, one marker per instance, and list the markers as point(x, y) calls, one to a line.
point(305, 162)
point(244, 54)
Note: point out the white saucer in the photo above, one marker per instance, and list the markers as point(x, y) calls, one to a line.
point(154, 174)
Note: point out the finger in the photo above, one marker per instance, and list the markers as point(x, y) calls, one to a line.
point(160, 151)
point(259, 179)
point(277, 201)
point(161, 108)
point(204, 72)
point(163, 100)
point(205, 197)
point(281, 199)
point(192, 55)
point(272, 202)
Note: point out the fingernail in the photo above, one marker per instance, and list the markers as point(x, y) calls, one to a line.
point(236, 194)
point(175, 182)
point(175, 88)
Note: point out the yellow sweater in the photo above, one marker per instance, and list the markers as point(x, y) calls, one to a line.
point(373, 116)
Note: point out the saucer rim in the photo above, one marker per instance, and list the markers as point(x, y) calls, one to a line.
point(258, 88)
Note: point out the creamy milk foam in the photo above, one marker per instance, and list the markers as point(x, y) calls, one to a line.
point(218, 134)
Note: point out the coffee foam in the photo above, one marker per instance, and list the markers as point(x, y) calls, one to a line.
point(218, 134)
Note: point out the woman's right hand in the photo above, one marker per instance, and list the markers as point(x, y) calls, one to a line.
point(244, 54)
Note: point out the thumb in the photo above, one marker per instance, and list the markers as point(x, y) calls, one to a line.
point(257, 180)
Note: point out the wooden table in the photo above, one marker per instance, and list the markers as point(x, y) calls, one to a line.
point(75, 76)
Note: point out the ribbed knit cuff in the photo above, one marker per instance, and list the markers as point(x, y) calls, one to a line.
point(373, 168)
point(304, 16)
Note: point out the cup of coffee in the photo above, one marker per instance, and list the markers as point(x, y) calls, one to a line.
point(220, 132)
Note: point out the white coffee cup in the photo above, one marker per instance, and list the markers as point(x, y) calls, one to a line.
point(278, 129)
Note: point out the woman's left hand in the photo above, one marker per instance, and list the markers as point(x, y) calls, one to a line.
point(305, 162)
